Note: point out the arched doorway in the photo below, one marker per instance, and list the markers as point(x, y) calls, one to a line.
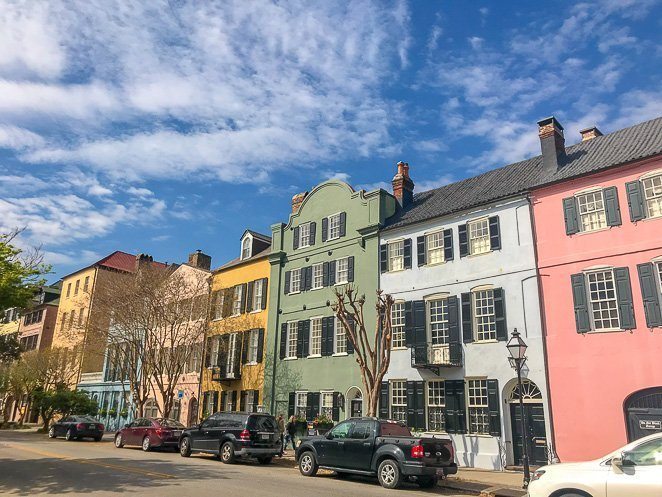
point(354, 403)
point(534, 415)
point(192, 411)
point(643, 413)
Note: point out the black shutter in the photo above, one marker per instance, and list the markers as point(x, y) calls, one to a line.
point(245, 339)
point(420, 405)
point(500, 314)
point(306, 278)
point(243, 297)
point(234, 400)
point(383, 400)
point(325, 274)
point(291, 404)
point(461, 407)
point(325, 228)
point(493, 407)
point(343, 223)
point(256, 398)
point(310, 408)
point(288, 276)
point(242, 400)
point(335, 412)
point(305, 338)
point(208, 348)
point(214, 401)
point(265, 286)
point(249, 296)
point(612, 208)
point(352, 325)
point(332, 273)
point(411, 404)
point(467, 319)
point(624, 296)
point(464, 240)
point(260, 345)
point(283, 340)
point(300, 327)
point(649, 294)
point(495, 234)
point(327, 336)
point(313, 229)
point(420, 249)
point(295, 238)
point(228, 298)
point(582, 321)
point(409, 324)
point(205, 403)
point(383, 257)
point(635, 201)
point(418, 312)
point(407, 252)
point(453, 320)
point(448, 245)
point(454, 411)
point(350, 269)
point(570, 216)
point(316, 404)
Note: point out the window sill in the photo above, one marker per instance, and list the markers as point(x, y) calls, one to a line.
point(294, 293)
point(606, 330)
point(252, 363)
point(256, 311)
point(433, 264)
point(393, 271)
point(479, 255)
point(404, 347)
point(598, 230)
point(217, 319)
point(334, 238)
point(314, 356)
point(485, 341)
point(316, 288)
point(290, 359)
point(340, 283)
point(339, 354)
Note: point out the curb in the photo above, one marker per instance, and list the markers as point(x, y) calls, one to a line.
point(483, 489)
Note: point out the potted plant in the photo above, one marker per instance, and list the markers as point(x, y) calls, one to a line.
point(301, 426)
point(103, 412)
point(322, 423)
point(112, 412)
point(124, 413)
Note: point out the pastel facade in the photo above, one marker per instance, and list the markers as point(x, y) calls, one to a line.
point(37, 324)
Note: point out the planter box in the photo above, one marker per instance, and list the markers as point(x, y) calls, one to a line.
point(323, 428)
point(301, 428)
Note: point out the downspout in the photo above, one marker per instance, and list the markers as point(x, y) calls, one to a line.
point(203, 352)
point(272, 407)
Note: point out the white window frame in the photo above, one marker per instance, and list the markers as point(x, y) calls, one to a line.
point(398, 338)
point(251, 400)
point(228, 407)
point(253, 344)
point(292, 332)
point(326, 403)
point(300, 403)
point(318, 276)
point(333, 226)
point(246, 250)
point(401, 413)
point(256, 305)
point(658, 266)
point(441, 319)
point(583, 203)
point(231, 353)
point(304, 235)
point(437, 402)
point(478, 412)
point(396, 262)
point(217, 307)
point(342, 272)
point(483, 319)
point(315, 341)
point(434, 252)
point(656, 198)
point(479, 243)
point(236, 300)
point(602, 305)
point(339, 338)
point(297, 273)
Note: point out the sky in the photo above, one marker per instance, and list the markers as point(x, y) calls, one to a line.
point(163, 127)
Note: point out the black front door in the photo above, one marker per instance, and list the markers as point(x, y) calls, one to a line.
point(643, 411)
point(356, 408)
point(535, 426)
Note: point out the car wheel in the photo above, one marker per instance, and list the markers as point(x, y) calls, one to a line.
point(388, 474)
point(427, 482)
point(70, 435)
point(147, 445)
point(185, 447)
point(227, 453)
point(51, 432)
point(119, 441)
point(307, 464)
point(264, 460)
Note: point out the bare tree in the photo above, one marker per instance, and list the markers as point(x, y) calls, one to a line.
point(372, 352)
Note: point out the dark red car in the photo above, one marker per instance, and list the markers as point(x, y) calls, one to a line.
point(150, 433)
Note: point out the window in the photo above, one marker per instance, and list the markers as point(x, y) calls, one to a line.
point(251, 400)
point(86, 285)
point(195, 357)
point(291, 340)
point(436, 405)
point(399, 400)
point(253, 339)
point(646, 454)
point(72, 318)
point(304, 235)
point(479, 414)
point(653, 195)
point(295, 282)
point(318, 276)
point(592, 213)
point(176, 410)
point(659, 273)
point(341, 339)
point(301, 404)
point(29, 343)
point(215, 346)
point(396, 255)
point(326, 403)
point(438, 312)
point(258, 290)
point(68, 289)
point(80, 316)
point(151, 409)
point(246, 248)
point(228, 401)
point(479, 236)
point(217, 304)
point(76, 287)
point(334, 226)
point(64, 320)
point(342, 271)
point(602, 294)
point(484, 316)
point(236, 300)
point(315, 336)
point(232, 353)
point(398, 325)
point(435, 247)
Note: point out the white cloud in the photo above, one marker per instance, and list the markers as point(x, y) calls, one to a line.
point(339, 175)
point(140, 192)
point(17, 138)
point(433, 145)
point(476, 42)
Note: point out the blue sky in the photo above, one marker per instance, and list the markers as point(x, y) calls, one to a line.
point(175, 126)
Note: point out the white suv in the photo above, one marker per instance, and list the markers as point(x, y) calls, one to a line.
point(632, 471)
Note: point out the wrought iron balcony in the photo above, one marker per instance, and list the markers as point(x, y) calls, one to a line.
point(223, 373)
point(431, 356)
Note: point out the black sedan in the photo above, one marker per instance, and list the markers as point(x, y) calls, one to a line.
point(77, 427)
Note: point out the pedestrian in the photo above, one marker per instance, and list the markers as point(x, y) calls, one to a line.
point(291, 431)
point(281, 433)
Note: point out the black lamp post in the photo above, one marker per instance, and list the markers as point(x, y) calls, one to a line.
point(517, 349)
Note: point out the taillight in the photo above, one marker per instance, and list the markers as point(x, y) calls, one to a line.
point(245, 435)
point(80, 426)
point(101, 427)
point(417, 452)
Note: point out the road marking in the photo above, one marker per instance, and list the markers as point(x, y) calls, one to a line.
point(93, 463)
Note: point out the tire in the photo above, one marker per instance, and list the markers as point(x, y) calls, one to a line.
point(70, 435)
point(427, 481)
point(264, 460)
point(226, 453)
point(572, 495)
point(147, 444)
point(388, 474)
point(51, 432)
point(119, 441)
point(185, 447)
point(307, 464)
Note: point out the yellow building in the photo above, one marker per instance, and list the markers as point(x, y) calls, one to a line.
point(233, 377)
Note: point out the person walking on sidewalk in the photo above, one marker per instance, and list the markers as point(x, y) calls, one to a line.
point(291, 431)
point(281, 433)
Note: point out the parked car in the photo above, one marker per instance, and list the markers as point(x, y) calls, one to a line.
point(150, 433)
point(230, 435)
point(370, 446)
point(634, 470)
point(77, 427)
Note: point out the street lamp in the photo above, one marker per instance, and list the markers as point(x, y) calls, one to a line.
point(517, 349)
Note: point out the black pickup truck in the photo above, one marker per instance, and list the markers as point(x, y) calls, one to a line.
point(370, 446)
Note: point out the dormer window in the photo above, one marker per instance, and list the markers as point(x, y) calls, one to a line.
point(246, 248)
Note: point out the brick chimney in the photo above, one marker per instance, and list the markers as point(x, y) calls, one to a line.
point(589, 133)
point(143, 260)
point(200, 260)
point(403, 186)
point(297, 200)
point(552, 143)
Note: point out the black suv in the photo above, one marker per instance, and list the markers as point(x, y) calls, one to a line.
point(233, 434)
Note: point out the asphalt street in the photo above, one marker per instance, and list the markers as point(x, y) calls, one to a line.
point(32, 464)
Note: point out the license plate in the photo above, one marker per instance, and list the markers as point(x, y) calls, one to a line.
point(440, 472)
point(265, 436)
point(176, 433)
point(92, 427)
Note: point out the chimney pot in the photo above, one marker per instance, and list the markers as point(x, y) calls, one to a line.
point(590, 133)
point(403, 186)
point(552, 143)
point(297, 201)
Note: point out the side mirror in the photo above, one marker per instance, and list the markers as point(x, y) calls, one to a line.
point(329, 436)
point(617, 461)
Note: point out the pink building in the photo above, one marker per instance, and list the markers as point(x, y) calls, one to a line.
point(598, 228)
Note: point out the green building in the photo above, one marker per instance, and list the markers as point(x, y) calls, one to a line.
point(331, 240)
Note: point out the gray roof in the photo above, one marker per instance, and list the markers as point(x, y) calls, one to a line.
point(620, 147)
point(237, 261)
point(259, 236)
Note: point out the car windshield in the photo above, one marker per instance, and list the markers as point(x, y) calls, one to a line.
point(86, 419)
point(394, 430)
point(262, 423)
point(170, 423)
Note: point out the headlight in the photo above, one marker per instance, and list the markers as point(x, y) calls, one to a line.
point(537, 474)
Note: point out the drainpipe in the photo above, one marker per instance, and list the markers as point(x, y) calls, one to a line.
point(272, 406)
